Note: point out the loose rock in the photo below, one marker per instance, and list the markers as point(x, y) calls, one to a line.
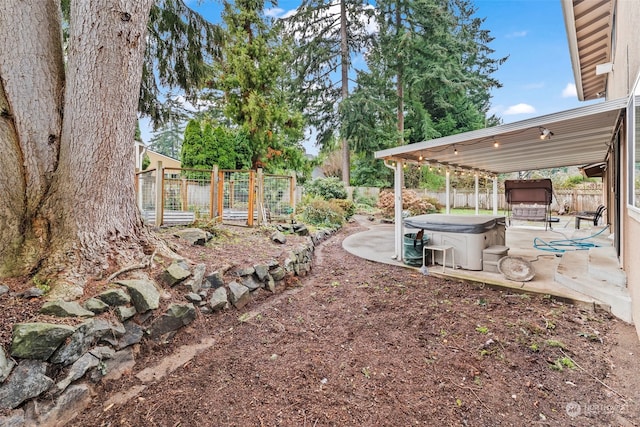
point(279, 237)
point(38, 340)
point(175, 274)
point(144, 294)
point(219, 300)
point(115, 297)
point(27, 380)
point(240, 294)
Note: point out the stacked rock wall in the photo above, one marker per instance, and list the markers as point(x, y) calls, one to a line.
point(50, 369)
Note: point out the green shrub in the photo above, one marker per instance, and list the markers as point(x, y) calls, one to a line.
point(347, 206)
point(323, 213)
point(370, 201)
point(327, 188)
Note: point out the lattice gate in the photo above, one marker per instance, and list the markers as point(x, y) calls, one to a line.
point(168, 196)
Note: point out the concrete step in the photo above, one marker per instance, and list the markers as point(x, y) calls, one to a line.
point(573, 272)
point(604, 265)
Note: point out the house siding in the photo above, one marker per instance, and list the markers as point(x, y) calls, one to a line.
point(620, 83)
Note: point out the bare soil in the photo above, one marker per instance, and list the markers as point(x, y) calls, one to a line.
point(362, 343)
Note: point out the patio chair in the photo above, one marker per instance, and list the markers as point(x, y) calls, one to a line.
point(593, 216)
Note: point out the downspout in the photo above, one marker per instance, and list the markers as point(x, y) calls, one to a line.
point(397, 198)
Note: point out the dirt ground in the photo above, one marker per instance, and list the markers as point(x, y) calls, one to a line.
point(361, 343)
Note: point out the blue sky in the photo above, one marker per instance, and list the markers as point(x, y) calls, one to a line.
point(537, 78)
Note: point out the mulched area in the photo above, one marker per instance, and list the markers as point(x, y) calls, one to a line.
point(361, 343)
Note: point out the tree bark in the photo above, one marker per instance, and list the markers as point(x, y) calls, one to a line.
point(71, 134)
point(31, 76)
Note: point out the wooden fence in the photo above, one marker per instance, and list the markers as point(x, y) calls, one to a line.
point(180, 196)
point(572, 200)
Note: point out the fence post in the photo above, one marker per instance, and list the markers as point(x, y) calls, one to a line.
point(184, 194)
point(292, 195)
point(213, 205)
point(221, 194)
point(252, 198)
point(159, 193)
point(262, 215)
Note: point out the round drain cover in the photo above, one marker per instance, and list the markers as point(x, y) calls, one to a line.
point(516, 268)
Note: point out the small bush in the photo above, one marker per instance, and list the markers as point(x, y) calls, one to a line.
point(323, 213)
point(365, 200)
point(327, 188)
point(347, 206)
point(410, 202)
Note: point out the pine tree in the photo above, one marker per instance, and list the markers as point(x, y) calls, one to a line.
point(430, 66)
point(249, 82)
point(328, 34)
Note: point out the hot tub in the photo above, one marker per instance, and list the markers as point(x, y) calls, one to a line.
point(468, 234)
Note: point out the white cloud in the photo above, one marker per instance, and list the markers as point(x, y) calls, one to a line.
point(520, 109)
point(570, 91)
point(517, 34)
point(274, 12)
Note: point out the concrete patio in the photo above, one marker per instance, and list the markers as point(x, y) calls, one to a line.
point(590, 277)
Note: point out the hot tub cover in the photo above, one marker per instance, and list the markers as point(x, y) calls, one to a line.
point(473, 224)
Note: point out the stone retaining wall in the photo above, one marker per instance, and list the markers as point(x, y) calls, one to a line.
point(51, 368)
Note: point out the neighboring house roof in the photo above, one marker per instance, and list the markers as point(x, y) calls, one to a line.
point(154, 157)
point(589, 27)
point(167, 162)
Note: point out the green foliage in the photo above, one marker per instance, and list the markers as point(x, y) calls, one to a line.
point(327, 188)
point(429, 67)
point(322, 213)
point(370, 201)
point(168, 140)
point(205, 146)
point(561, 363)
point(370, 172)
point(555, 343)
point(193, 154)
point(248, 81)
point(145, 162)
point(347, 206)
point(43, 285)
point(573, 181)
point(319, 56)
point(180, 44)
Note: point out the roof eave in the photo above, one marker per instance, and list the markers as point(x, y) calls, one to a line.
point(572, 38)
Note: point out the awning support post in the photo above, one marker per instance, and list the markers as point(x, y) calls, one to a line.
point(446, 193)
point(398, 210)
point(495, 195)
point(397, 204)
point(477, 194)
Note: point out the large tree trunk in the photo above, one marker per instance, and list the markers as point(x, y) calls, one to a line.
point(31, 76)
point(68, 156)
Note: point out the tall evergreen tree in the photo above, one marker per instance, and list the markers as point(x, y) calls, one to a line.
point(328, 34)
point(168, 140)
point(249, 83)
point(430, 65)
point(181, 47)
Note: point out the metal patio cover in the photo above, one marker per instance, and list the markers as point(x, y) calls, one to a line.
point(580, 136)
